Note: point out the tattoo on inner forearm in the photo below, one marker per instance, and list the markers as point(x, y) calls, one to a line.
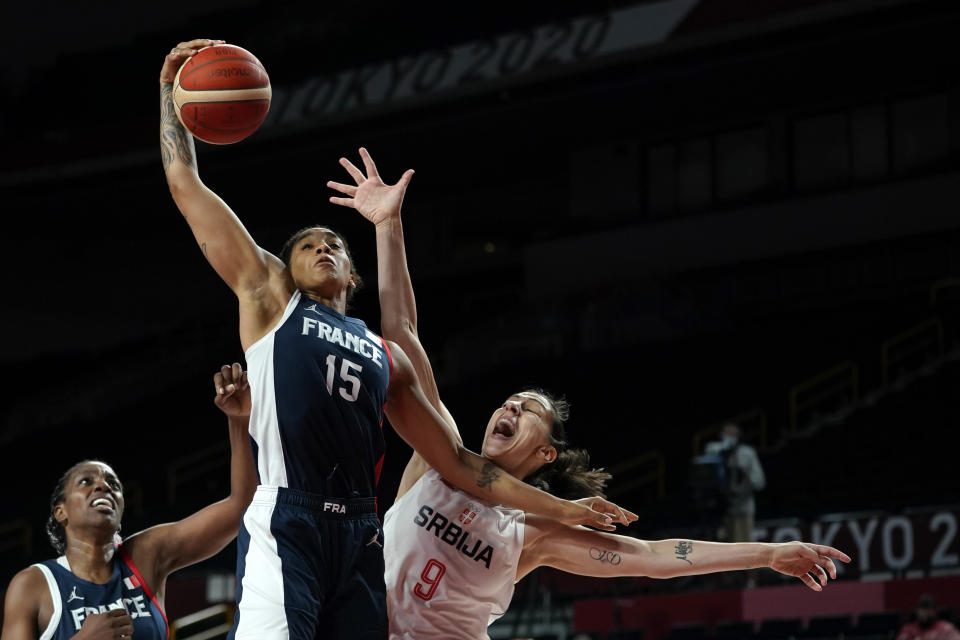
point(682, 550)
point(175, 142)
point(605, 557)
point(489, 473)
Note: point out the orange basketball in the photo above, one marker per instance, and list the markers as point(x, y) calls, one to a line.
point(222, 94)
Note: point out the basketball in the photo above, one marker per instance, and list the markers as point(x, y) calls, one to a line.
point(222, 94)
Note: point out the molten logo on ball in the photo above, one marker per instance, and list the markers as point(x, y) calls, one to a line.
point(222, 94)
point(235, 71)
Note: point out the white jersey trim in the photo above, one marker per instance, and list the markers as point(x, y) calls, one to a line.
point(57, 602)
point(261, 607)
point(264, 424)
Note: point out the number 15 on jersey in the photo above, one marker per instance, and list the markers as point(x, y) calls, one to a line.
point(348, 379)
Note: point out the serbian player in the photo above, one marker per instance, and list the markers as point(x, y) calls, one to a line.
point(452, 559)
point(310, 561)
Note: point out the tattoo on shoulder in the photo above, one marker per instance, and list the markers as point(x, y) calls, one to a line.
point(605, 557)
point(682, 550)
point(489, 473)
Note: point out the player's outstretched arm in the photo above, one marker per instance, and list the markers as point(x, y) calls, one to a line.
point(419, 424)
point(594, 553)
point(380, 203)
point(206, 532)
point(222, 238)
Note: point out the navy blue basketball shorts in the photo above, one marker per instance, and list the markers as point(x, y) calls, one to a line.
point(309, 568)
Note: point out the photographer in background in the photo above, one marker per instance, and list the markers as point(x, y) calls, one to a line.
point(742, 477)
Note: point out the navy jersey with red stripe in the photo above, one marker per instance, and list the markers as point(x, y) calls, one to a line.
point(74, 599)
point(318, 381)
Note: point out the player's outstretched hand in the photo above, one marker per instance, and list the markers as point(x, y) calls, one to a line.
point(376, 200)
point(232, 390)
point(179, 54)
point(109, 625)
point(601, 505)
point(597, 513)
point(810, 562)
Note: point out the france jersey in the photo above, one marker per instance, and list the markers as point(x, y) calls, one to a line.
point(318, 382)
point(309, 549)
point(74, 599)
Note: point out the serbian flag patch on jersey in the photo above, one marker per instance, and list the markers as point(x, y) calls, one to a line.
point(131, 582)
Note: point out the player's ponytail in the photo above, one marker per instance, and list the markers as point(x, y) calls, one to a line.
point(570, 476)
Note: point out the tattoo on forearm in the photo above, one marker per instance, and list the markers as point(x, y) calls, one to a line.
point(203, 248)
point(682, 550)
point(489, 473)
point(604, 556)
point(175, 142)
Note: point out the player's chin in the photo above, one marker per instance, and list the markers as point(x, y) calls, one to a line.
point(492, 448)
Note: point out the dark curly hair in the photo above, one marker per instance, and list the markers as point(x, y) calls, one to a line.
point(287, 250)
point(55, 530)
point(569, 476)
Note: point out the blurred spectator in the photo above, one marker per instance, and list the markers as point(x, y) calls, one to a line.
point(925, 625)
point(740, 476)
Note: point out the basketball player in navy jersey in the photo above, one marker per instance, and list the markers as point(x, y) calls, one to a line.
point(310, 558)
point(101, 587)
point(452, 560)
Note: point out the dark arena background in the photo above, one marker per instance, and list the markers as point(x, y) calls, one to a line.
point(676, 214)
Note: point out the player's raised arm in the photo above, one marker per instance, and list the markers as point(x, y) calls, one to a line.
point(222, 238)
point(380, 203)
point(209, 530)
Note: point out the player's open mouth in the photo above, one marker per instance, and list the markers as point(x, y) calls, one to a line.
point(503, 429)
point(104, 505)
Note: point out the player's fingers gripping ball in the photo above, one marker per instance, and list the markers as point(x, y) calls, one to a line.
point(222, 94)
